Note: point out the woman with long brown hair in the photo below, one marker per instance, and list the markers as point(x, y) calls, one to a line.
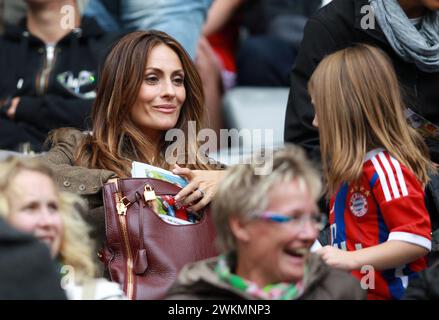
point(147, 86)
point(376, 168)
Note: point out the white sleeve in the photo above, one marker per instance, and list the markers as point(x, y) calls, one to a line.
point(107, 290)
point(316, 246)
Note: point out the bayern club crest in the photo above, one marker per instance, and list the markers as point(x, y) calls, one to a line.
point(358, 204)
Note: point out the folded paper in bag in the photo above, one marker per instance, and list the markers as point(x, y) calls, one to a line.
point(165, 206)
point(143, 170)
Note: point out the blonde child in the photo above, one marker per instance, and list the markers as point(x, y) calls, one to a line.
point(376, 168)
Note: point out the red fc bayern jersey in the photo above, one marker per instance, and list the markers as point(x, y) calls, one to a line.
point(387, 203)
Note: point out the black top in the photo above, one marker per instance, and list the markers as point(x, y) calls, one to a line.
point(60, 96)
point(26, 268)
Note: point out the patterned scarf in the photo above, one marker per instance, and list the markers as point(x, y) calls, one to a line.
point(412, 45)
point(280, 291)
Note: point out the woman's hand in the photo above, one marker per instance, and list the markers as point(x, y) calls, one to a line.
point(337, 258)
point(202, 185)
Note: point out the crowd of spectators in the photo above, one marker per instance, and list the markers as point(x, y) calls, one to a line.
point(89, 86)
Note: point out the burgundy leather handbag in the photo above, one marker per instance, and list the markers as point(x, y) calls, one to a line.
point(143, 252)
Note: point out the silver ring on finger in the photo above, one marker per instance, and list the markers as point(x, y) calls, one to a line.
point(202, 192)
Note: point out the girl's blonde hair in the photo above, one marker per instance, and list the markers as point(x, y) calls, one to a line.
point(76, 246)
point(359, 107)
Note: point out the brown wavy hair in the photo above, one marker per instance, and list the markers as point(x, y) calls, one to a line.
point(115, 140)
point(359, 107)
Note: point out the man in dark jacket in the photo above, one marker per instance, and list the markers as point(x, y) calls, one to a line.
point(275, 30)
point(49, 64)
point(26, 268)
point(336, 26)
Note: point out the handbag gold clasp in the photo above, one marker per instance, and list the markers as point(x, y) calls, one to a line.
point(149, 193)
point(122, 204)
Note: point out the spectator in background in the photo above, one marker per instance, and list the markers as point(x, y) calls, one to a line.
point(182, 19)
point(31, 203)
point(274, 31)
point(26, 268)
point(215, 58)
point(264, 34)
point(11, 12)
point(222, 30)
point(49, 73)
point(266, 225)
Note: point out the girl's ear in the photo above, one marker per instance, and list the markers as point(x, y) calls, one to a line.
point(239, 229)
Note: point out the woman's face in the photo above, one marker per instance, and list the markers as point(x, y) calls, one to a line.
point(34, 205)
point(278, 251)
point(162, 93)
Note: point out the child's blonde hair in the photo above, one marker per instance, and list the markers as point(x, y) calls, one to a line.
point(359, 107)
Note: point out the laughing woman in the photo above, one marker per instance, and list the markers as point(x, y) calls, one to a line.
point(148, 85)
point(266, 225)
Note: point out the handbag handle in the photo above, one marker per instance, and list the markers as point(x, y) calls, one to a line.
point(130, 193)
point(141, 259)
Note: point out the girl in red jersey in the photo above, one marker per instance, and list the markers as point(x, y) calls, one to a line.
point(376, 168)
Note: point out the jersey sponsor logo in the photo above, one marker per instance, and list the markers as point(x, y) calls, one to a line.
point(358, 204)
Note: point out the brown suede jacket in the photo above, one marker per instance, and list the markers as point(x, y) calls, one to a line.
point(83, 181)
point(80, 180)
